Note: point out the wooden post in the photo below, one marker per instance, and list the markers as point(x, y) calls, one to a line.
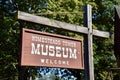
point(88, 49)
point(87, 31)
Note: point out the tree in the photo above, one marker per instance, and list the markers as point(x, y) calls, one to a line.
point(104, 20)
point(103, 11)
point(8, 42)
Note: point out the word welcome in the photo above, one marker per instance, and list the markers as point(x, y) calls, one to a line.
point(56, 62)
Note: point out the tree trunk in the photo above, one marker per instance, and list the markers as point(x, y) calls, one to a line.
point(117, 37)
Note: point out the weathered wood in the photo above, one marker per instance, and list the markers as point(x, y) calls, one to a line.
point(88, 40)
point(57, 24)
point(87, 31)
point(50, 22)
point(101, 33)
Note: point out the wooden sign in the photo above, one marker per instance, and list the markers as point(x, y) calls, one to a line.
point(45, 49)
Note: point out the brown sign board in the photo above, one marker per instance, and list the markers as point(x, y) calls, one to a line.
point(50, 50)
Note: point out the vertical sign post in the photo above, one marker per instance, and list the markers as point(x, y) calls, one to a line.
point(88, 49)
point(87, 31)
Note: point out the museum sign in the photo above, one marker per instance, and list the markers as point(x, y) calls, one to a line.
point(50, 50)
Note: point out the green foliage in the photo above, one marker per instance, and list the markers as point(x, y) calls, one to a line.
point(103, 18)
point(48, 77)
point(104, 58)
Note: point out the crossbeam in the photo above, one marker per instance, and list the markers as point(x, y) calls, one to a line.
point(60, 25)
point(86, 30)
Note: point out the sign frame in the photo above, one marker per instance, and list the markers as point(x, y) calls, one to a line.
point(72, 50)
point(86, 30)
